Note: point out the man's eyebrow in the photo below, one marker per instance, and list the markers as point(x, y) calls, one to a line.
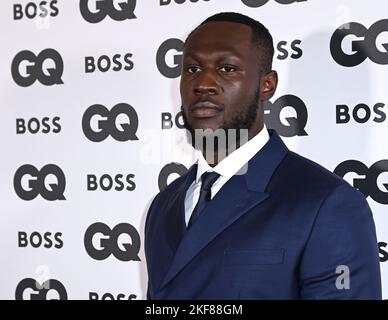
point(222, 53)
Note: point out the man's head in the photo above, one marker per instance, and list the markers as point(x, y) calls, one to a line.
point(226, 74)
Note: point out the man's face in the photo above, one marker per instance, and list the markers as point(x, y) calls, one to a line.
point(220, 82)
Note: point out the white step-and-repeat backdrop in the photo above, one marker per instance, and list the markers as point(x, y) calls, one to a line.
point(90, 125)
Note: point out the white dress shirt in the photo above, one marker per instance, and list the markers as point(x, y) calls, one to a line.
point(226, 168)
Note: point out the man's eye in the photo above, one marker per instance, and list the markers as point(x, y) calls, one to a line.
point(193, 69)
point(227, 69)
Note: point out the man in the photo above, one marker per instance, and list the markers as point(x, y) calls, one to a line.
point(260, 222)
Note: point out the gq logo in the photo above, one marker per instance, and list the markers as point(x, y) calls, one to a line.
point(363, 47)
point(100, 242)
point(36, 185)
point(368, 183)
point(118, 10)
point(259, 3)
point(172, 48)
point(294, 126)
point(40, 291)
point(106, 124)
point(167, 171)
point(26, 68)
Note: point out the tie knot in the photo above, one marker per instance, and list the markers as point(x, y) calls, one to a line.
point(208, 178)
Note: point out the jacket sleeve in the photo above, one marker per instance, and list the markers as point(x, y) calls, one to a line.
point(148, 291)
point(341, 259)
point(146, 235)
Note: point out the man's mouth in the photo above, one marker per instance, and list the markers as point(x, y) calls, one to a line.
point(205, 109)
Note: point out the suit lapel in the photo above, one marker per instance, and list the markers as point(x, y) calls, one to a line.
point(237, 197)
point(175, 219)
point(224, 209)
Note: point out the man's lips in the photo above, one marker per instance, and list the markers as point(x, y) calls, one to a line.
point(205, 109)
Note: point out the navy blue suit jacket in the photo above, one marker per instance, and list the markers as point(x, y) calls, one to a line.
point(287, 229)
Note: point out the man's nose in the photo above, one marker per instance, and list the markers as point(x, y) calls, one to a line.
point(206, 83)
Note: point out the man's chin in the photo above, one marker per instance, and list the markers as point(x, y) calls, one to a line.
point(205, 124)
point(214, 140)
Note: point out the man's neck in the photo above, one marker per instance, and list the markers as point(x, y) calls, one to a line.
point(221, 154)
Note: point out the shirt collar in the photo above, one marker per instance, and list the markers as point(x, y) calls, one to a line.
point(236, 160)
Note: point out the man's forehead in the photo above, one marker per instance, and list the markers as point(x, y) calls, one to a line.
point(221, 31)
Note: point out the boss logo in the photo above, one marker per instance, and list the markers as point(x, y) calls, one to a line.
point(365, 45)
point(170, 169)
point(36, 240)
point(29, 289)
point(292, 50)
point(105, 63)
point(110, 296)
point(383, 252)
point(361, 113)
point(95, 11)
point(101, 241)
point(26, 68)
point(32, 9)
point(29, 182)
point(35, 125)
point(287, 126)
point(169, 58)
point(105, 123)
point(168, 122)
point(259, 3)
point(167, 2)
point(107, 182)
point(366, 181)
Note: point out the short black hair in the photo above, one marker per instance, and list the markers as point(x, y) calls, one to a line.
point(260, 34)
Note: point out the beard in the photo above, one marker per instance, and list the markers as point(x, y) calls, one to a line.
point(231, 134)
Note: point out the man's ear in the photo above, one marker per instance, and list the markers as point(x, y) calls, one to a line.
point(269, 83)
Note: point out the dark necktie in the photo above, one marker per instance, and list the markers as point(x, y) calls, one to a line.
point(208, 178)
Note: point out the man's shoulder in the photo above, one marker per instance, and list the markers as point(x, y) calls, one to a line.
point(301, 181)
point(297, 170)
